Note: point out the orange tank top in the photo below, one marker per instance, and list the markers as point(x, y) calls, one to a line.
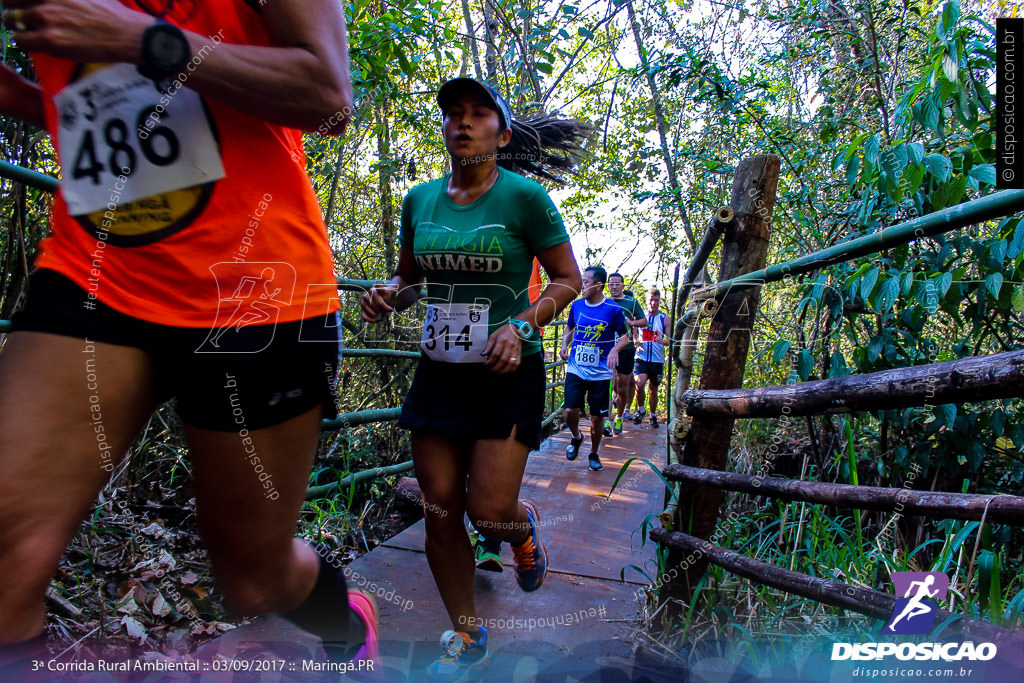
point(175, 208)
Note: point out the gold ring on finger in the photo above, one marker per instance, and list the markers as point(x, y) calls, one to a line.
point(512, 358)
point(19, 24)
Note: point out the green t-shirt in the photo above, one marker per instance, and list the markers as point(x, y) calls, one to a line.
point(482, 253)
point(634, 311)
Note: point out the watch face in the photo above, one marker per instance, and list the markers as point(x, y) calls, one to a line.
point(168, 49)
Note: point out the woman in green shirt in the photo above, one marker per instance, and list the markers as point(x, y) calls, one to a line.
point(477, 399)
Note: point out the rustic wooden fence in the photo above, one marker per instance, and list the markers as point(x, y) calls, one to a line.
point(699, 440)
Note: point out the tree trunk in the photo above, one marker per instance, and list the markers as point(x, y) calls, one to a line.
point(472, 37)
point(492, 51)
point(744, 249)
point(659, 119)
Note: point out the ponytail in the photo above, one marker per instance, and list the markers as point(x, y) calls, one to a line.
point(545, 146)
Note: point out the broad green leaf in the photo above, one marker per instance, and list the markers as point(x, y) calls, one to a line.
point(945, 414)
point(871, 150)
point(906, 283)
point(837, 366)
point(984, 173)
point(1016, 243)
point(887, 294)
point(875, 347)
point(912, 177)
point(949, 68)
point(995, 254)
point(867, 285)
point(1018, 298)
point(931, 116)
point(894, 161)
point(852, 168)
point(804, 364)
point(780, 350)
point(915, 152)
point(993, 282)
point(997, 423)
point(939, 166)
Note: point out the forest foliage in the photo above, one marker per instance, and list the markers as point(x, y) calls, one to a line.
point(879, 111)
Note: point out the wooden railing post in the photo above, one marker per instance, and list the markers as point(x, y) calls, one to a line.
point(744, 249)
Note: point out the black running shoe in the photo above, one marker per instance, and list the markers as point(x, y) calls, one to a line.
point(654, 420)
point(638, 418)
point(573, 449)
point(595, 462)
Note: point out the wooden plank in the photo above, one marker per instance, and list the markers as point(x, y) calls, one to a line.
point(993, 508)
point(978, 378)
point(587, 533)
point(862, 600)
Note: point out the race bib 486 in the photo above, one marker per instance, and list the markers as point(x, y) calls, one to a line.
point(121, 139)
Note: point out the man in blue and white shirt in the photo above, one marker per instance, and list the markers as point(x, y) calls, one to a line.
point(598, 331)
point(650, 358)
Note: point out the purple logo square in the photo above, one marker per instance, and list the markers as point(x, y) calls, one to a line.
point(915, 606)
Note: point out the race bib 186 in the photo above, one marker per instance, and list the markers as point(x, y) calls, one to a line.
point(587, 356)
point(103, 136)
point(455, 333)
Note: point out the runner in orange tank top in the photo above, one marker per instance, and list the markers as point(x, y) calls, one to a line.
point(187, 259)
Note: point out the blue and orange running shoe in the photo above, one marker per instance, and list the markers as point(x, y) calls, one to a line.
point(532, 556)
point(460, 654)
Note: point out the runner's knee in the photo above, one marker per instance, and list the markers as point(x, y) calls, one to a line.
point(492, 513)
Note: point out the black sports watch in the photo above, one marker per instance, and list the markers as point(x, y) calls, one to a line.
point(165, 51)
point(524, 329)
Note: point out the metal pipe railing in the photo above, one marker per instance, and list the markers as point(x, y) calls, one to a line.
point(27, 176)
point(360, 417)
point(991, 206)
point(356, 477)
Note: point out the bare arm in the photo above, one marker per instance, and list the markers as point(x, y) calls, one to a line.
point(566, 339)
point(399, 294)
point(564, 286)
point(20, 99)
point(613, 355)
point(504, 346)
point(301, 82)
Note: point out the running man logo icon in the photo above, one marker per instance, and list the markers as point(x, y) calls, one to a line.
point(914, 613)
point(250, 298)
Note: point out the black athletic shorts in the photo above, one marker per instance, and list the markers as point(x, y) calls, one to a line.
point(626, 356)
point(466, 402)
point(593, 391)
point(652, 370)
point(250, 378)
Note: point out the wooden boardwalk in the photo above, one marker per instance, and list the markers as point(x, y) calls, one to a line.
point(577, 626)
point(580, 620)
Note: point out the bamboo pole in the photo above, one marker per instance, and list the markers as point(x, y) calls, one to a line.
point(671, 409)
point(378, 353)
point(346, 420)
point(977, 378)
point(862, 600)
point(744, 248)
point(994, 508)
point(27, 176)
point(995, 205)
point(357, 477)
point(695, 272)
